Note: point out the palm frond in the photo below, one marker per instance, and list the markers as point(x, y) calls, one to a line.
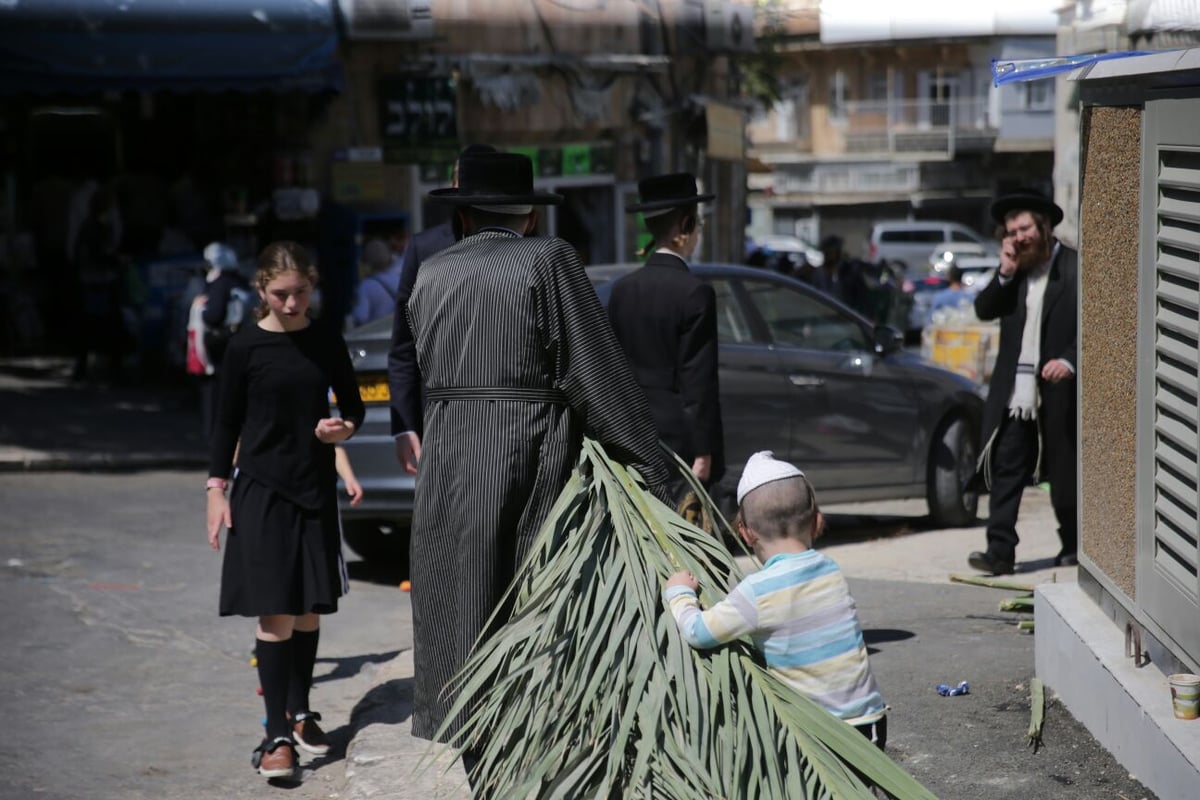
point(589, 690)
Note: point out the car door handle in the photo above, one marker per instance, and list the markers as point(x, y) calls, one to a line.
point(806, 381)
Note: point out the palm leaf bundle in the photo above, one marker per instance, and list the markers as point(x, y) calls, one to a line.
point(589, 691)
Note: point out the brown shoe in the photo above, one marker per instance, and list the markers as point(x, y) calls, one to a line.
point(275, 759)
point(307, 734)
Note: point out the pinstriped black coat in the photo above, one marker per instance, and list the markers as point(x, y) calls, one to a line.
point(498, 310)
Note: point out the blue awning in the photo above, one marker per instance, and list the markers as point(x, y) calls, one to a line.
point(86, 46)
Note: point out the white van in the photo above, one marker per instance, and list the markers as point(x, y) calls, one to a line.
point(909, 242)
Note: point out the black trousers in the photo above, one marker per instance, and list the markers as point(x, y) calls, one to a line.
point(1014, 458)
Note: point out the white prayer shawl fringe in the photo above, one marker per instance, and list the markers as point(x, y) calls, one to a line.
point(1024, 402)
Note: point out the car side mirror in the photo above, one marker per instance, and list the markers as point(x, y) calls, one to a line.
point(887, 339)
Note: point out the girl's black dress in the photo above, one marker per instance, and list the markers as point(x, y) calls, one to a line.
point(282, 552)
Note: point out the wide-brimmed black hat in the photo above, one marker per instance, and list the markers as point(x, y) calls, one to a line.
point(1026, 200)
point(667, 191)
point(488, 179)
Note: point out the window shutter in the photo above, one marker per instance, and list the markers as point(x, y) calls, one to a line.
point(1169, 533)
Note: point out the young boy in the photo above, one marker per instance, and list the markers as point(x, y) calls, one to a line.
point(797, 610)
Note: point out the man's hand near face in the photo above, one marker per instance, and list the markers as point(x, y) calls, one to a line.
point(1008, 257)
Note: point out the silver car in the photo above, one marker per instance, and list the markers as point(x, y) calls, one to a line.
point(801, 374)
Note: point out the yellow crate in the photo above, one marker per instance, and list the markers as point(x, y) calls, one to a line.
point(968, 350)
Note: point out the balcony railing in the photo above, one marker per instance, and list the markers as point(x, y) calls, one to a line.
point(895, 128)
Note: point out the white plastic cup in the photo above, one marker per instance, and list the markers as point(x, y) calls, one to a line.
point(1185, 695)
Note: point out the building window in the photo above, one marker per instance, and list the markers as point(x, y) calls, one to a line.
point(877, 86)
point(1037, 95)
point(839, 91)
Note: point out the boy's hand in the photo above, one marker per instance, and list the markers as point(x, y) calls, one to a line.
point(684, 578)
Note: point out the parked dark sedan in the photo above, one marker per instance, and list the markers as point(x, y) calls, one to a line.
point(801, 374)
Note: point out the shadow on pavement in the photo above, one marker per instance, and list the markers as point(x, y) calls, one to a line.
point(352, 665)
point(852, 528)
point(874, 636)
point(387, 703)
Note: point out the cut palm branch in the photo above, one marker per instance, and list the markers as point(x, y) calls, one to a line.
point(1018, 603)
point(589, 691)
point(991, 583)
point(1037, 710)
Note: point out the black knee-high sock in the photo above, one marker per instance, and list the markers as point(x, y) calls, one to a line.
point(275, 675)
point(304, 657)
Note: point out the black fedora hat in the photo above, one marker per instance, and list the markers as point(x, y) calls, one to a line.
point(667, 191)
point(1026, 200)
point(487, 179)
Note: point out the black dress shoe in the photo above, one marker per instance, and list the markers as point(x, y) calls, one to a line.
point(986, 562)
point(1065, 559)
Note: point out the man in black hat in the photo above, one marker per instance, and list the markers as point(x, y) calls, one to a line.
point(519, 360)
point(666, 319)
point(1030, 419)
point(404, 376)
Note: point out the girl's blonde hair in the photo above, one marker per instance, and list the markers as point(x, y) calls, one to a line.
point(278, 258)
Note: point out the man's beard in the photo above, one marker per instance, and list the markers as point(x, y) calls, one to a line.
point(1033, 255)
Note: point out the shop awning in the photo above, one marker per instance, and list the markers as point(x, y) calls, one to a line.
point(86, 46)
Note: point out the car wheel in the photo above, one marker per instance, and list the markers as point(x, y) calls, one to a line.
point(951, 466)
point(375, 540)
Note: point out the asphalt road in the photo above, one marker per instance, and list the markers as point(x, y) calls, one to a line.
point(119, 679)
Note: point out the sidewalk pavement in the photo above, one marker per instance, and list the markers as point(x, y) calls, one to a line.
point(51, 423)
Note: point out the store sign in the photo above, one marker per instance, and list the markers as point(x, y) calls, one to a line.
point(569, 160)
point(418, 118)
point(726, 132)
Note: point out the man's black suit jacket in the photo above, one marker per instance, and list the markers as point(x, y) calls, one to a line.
point(666, 320)
point(404, 376)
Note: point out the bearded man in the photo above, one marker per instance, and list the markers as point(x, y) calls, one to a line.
point(1031, 415)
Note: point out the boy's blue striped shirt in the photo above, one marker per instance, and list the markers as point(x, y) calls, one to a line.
point(799, 613)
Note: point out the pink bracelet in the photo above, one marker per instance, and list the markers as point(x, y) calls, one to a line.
point(215, 483)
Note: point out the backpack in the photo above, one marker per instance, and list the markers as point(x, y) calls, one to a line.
point(241, 300)
point(198, 361)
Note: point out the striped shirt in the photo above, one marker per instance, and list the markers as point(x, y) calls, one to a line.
point(799, 614)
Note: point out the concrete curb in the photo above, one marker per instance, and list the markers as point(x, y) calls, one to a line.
point(384, 759)
point(15, 459)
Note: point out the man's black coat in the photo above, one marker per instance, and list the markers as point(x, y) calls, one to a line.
point(1057, 415)
point(404, 376)
point(666, 320)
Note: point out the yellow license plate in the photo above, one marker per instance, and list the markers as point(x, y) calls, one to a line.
point(374, 389)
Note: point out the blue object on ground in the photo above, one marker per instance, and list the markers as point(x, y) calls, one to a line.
point(946, 691)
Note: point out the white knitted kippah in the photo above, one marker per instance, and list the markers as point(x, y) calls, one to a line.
point(763, 467)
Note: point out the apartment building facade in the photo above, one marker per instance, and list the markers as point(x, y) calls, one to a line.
point(894, 115)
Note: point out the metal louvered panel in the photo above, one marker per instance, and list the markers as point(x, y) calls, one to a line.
point(1176, 504)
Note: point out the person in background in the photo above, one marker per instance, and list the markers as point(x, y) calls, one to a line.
point(839, 277)
point(666, 321)
point(1031, 414)
point(100, 268)
point(282, 560)
point(224, 288)
point(376, 294)
point(404, 375)
point(953, 295)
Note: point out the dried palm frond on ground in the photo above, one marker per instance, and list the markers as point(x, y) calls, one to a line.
point(589, 691)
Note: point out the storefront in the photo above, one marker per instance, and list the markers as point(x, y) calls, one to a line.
point(194, 117)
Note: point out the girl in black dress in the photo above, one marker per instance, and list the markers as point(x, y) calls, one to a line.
point(282, 551)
